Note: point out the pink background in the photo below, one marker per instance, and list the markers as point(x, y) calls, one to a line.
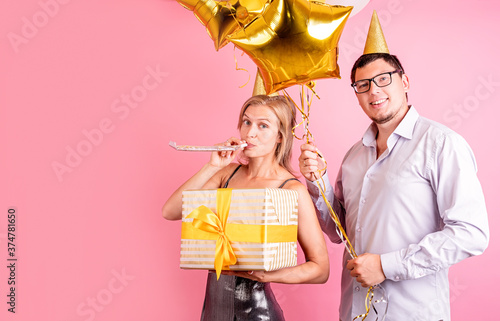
point(91, 242)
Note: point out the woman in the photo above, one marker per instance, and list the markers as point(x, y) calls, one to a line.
point(265, 124)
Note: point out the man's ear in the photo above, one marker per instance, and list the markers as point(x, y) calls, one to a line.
point(406, 82)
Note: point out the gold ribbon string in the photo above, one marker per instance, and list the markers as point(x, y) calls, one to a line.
point(305, 115)
point(340, 229)
point(302, 109)
point(238, 68)
point(307, 101)
point(230, 6)
point(368, 304)
point(347, 243)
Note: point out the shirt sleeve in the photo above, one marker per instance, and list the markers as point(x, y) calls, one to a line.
point(461, 206)
point(322, 210)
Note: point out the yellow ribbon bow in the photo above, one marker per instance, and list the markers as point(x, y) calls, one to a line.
point(206, 220)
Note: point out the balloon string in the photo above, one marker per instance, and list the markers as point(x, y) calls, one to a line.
point(232, 13)
point(340, 229)
point(368, 304)
point(305, 100)
point(350, 249)
point(304, 115)
point(311, 85)
point(303, 104)
point(238, 68)
point(305, 109)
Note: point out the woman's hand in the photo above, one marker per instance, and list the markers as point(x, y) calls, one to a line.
point(223, 158)
point(206, 178)
point(316, 267)
point(259, 276)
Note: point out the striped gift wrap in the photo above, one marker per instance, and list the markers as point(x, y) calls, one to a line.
point(268, 209)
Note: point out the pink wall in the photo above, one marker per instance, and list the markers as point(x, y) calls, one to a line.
point(90, 240)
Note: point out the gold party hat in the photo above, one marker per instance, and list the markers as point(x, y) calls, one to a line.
point(259, 87)
point(375, 42)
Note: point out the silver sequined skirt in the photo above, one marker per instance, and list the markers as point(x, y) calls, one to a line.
point(232, 298)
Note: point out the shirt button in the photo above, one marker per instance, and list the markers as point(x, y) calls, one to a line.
point(356, 289)
point(363, 200)
point(397, 278)
point(359, 229)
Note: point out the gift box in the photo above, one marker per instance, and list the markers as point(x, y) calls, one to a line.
point(258, 225)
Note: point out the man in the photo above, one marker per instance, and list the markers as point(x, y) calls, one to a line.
point(407, 195)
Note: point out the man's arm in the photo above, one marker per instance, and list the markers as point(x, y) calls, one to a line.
point(311, 167)
point(462, 209)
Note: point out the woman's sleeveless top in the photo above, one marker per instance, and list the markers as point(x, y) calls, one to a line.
point(233, 298)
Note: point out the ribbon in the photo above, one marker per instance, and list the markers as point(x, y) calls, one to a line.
point(369, 303)
point(208, 225)
point(238, 68)
point(206, 220)
point(306, 101)
point(244, 233)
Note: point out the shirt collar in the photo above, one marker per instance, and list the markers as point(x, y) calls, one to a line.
point(404, 129)
point(406, 126)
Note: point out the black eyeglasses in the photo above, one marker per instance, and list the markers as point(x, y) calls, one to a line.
point(381, 80)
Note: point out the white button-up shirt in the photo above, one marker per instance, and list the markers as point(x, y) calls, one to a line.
point(419, 205)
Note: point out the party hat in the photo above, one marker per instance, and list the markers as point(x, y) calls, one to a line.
point(259, 87)
point(375, 42)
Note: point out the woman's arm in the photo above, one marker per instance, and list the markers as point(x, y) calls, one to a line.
point(208, 177)
point(316, 269)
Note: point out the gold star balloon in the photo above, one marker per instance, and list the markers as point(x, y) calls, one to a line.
point(222, 18)
point(293, 42)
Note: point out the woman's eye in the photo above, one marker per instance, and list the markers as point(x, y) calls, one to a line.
point(246, 122)
point(263, 126)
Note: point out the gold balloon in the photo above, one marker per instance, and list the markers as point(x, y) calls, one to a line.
point(222, 18)
point(293, 42)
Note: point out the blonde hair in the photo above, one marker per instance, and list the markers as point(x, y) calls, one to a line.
point(284, 110)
